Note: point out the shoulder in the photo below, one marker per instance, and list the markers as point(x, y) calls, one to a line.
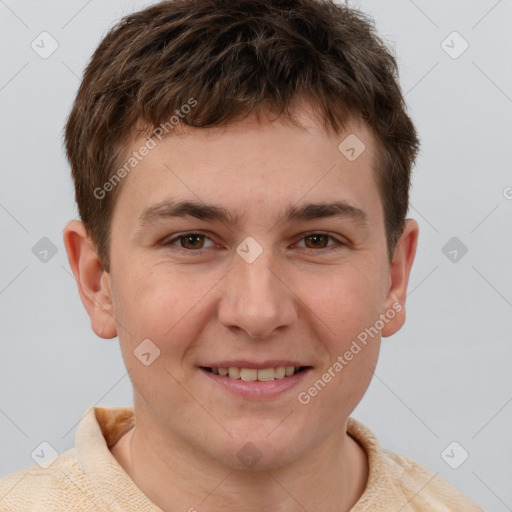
point(396, 482)
point(56, 487)
point(425, 490)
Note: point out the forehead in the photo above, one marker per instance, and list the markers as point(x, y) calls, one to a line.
point(270, 164)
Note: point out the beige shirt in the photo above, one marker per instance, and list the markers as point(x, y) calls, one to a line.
point(89, 478)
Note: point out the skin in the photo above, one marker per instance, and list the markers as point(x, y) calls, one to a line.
point(295, 300)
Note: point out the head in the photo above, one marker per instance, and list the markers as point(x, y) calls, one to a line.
point(240, 123)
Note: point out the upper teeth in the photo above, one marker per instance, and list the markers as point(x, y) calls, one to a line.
point(249, 374)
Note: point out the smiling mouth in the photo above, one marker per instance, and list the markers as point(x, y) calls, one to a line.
point(253, 374)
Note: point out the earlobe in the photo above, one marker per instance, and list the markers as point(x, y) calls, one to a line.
point(400, 270)
point(92, 280)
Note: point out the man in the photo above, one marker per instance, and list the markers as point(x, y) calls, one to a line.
point(242, 174)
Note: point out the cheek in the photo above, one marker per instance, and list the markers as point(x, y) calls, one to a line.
point(157, 315)
point(346, 300)
point(150, 300)
point(165, 307)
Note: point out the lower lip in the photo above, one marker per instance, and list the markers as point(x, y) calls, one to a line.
point(257, 389)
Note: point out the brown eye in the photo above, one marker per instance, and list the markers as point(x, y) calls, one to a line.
point(322, 242)
point(317, 240)
point(192, 241)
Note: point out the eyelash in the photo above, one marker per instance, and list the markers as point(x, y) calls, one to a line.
point(340, 244)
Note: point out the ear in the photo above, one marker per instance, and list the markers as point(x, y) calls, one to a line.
point(400, 269)
point(93, 281)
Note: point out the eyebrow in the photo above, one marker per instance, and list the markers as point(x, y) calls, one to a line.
point(202, 211)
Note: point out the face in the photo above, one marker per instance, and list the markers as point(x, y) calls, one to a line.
point(220, 258)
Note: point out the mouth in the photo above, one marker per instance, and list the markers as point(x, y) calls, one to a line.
point(256, 374)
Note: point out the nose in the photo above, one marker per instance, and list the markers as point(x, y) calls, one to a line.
point(257, 298)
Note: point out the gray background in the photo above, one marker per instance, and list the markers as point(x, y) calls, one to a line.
point(444, 377)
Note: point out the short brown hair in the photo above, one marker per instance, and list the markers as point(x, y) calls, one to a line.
point(235, 58)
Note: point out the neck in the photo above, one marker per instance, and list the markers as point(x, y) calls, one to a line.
point(176, 476)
